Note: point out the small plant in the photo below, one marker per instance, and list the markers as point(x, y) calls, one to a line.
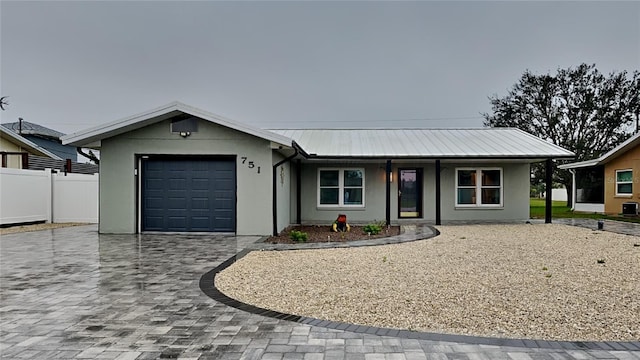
point(298, 236)
point(601, 261)
point(372, 229)
point(463, 237)
point(636, 245)
point(384, 259)
point(547, 275)
point(544, 268)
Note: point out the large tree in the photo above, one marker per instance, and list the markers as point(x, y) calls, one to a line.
point(578, 108)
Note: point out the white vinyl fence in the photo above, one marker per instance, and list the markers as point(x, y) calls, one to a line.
point(40, 195)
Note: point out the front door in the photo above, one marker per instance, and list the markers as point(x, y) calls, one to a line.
point(410, 193)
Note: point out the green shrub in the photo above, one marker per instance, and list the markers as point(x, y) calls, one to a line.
point(298, 236)
point(372, 229)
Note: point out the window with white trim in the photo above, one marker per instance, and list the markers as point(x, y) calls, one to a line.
point(624, 182)
point(479, 187)
point(341, 187)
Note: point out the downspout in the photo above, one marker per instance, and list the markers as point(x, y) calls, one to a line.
point(275, 187)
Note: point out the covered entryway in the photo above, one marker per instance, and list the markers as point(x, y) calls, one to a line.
point(188, 194)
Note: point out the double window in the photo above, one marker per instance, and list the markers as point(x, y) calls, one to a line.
point(341, 187)
point(624, 182)
point(479, 187)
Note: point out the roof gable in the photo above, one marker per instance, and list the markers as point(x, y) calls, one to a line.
point(91, 137)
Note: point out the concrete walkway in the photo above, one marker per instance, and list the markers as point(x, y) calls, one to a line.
point(74, 294)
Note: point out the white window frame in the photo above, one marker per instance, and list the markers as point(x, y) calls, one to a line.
point(624, 182)
point(341, 187)
point(479, 187)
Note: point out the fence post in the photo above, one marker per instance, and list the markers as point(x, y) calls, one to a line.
point(49, 173)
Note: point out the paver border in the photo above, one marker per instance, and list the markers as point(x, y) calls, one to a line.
point(207, 285)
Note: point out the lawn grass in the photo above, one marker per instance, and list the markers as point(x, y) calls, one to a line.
point(559, 209)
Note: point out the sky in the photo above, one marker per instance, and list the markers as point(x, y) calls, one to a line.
point(316, 64)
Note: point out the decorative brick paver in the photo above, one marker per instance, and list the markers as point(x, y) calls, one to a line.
point(71, 293)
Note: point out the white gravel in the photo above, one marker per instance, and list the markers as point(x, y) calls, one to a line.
point(519, 281)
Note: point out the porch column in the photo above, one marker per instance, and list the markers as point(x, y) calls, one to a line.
point(438, 205)
point(388, 187)
point(298, 191)
point(549, 190)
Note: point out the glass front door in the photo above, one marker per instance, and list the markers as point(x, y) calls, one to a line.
point(410, 193)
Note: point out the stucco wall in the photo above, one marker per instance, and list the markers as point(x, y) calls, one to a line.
point(374, 197)
point(629, 160)
point(516, 180)
point(515, 194)
point(118, 182)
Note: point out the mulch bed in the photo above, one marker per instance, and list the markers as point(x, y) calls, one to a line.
point(324, 233)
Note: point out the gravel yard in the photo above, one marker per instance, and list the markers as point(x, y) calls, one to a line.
point(552, 282)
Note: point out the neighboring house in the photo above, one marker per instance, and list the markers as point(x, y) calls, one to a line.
point(608, 184)
point(177, 168)
point(15, 150)
point(45, 138)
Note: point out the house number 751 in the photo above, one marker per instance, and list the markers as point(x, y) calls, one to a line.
point(250, 164)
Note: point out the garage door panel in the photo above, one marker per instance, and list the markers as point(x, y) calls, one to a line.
point(189, 195)
point(177, 184)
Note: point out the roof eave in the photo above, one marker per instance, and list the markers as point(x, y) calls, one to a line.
point(91, 137)
point(29, 144)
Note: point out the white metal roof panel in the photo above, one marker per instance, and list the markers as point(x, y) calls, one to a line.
point(423, 143)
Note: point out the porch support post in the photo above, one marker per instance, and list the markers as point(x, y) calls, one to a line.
point(438, 190)
point(298, 191)
point(388, 187)
point(549, 190)
point(25, 160)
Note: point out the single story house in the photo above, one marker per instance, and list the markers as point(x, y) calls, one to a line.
point(15, 150)
point(606, 185)
point(180, 169)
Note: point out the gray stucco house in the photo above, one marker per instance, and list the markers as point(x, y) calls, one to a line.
point(180, 169)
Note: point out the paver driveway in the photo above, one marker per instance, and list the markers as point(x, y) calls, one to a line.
point(71, 293)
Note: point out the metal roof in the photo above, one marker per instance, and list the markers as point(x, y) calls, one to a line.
point(91, 137)
point(29, 128)
point(26, 143)
point(423, 143)
point(626, 145)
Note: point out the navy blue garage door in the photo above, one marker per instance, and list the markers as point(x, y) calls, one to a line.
point(185, 195)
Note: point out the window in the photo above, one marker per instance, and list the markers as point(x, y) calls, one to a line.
point(624, 182)
point(479, 187)
point(341, 187)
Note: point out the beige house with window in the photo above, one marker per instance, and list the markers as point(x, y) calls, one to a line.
point(608, 184)
point(181, 169)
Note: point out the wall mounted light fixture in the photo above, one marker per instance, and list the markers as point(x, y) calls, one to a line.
point(184, 134)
